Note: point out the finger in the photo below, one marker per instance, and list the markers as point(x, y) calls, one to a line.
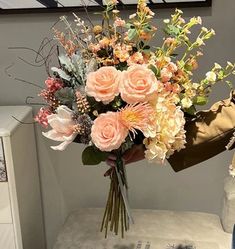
point(112, 157)
point(111, 162)
point(124, 161)
point(128, 155)
point(108, 172)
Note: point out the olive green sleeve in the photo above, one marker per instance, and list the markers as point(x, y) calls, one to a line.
point(207, 135)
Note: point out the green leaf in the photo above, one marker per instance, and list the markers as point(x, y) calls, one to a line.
point(230, 84)
point(172, 30)
point(65, 95)
point(131, 34)
point(191, 111)
point(147, 47)
point(200, 100)
point(93, 156)
point(130, 26)
point(141, 44)
point(220, 75)
point(117, 103)
point(174, 55)
point(147, 51)
point(154, 69)
point(102, 53)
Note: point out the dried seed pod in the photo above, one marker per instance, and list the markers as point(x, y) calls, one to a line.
point(86, 122)
point(50, 98)
point(78, 129)
point(82, 103)
point(97, 29)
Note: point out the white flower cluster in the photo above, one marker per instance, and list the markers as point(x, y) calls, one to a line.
point(169, 134)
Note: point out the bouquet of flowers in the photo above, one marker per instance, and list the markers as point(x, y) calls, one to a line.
point(112, 89)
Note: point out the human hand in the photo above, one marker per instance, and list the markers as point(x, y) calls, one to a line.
point(136, 153)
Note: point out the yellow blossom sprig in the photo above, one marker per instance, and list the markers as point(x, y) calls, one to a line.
point(198, 93)
point(107, 16)
point(177, 28)
point(218, 73)
point(204, 35)
point(71, 32)
point(178, 31)
point(139, 25)
point(76, 37)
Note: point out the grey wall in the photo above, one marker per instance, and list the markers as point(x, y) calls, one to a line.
point(66, 184)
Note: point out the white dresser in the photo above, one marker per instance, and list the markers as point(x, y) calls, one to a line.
point(21, 219)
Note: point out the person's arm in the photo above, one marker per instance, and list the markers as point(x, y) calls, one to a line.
point(207, 136)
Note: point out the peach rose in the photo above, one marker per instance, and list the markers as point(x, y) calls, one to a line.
point(107, 132)
point(138, 84)
point(103, 84)
point(62, 125)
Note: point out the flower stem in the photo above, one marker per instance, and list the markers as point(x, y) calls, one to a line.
point(115, 216)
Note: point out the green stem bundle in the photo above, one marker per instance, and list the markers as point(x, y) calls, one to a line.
point(116, 217)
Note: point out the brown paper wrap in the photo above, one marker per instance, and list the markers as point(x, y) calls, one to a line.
point(207, 135)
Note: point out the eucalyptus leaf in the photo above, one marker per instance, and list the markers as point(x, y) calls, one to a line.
point(91, 66)
point(61, 73)
point(66, 62)
point(78, 65)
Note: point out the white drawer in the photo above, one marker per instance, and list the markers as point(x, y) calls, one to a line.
point(7, 240)
point(5, 207)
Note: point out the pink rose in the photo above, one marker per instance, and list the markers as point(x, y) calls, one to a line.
point(138, 84)
point(103, 84)
point(107, 132)
point(62, 125)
